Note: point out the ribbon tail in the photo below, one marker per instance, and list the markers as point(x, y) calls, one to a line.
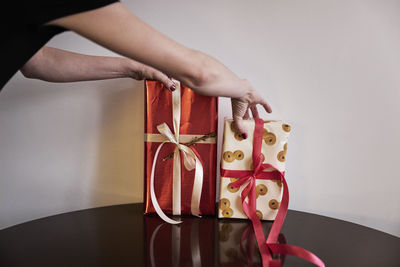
point(262, 245)
point(153, 194)
point(296, 251)
point(197, 187)
point(176, 183)
point(280, 217)
point(250, 210)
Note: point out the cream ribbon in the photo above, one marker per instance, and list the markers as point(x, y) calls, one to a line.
point(183, 138)
point(191, 161)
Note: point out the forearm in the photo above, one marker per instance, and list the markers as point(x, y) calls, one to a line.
point(116, 28)
point(56, 65)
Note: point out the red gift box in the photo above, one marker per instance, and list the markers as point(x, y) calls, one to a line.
point(198, 117)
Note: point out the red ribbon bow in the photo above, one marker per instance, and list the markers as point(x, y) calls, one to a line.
point(269, 245)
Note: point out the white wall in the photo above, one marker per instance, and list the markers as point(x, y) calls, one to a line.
point(328, 68)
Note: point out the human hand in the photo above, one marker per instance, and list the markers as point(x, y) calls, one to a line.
point(242, 105)
point(139, 71)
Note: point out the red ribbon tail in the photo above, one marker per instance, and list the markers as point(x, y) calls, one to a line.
point(261, 242)
point(297, 252)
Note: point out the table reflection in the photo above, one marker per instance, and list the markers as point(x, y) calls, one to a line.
point(202, 242)
point(122, 236)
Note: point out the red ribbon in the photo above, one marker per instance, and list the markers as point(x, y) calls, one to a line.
point(248, 236)
point(269, 245)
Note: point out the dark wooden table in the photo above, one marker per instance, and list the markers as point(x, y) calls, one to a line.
point(122, 236)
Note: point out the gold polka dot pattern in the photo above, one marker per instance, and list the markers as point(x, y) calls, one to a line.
point(227, 213)
point(282, 154)
point(232, 189)
point(286, 127)
point(261, 189)
point(224, 203)
point(274, 204)
point(238, 154)
point(228, 156)
point(269, 138)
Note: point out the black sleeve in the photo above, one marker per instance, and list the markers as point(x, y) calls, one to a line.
point(42, 11)
point(23, 31)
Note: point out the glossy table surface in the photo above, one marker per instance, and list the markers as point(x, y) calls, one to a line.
point(122, 236)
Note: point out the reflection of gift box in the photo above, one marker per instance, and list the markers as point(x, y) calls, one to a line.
point(237, 156)
point(192, 120)
point(189, 244)
point(237, 245)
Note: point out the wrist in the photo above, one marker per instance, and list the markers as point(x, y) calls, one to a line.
point(246, 90)
point(199, 72)
point(127, 67)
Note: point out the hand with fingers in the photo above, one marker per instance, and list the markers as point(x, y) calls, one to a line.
point(242, 105)
point(139, 71)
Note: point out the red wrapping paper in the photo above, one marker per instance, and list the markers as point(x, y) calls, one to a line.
point(199, 116)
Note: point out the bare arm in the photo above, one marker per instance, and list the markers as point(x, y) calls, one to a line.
point(56, 65)
point(117, 29)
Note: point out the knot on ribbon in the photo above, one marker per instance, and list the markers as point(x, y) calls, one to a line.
point(258, 168)
point(189, 158)
point(257, 165)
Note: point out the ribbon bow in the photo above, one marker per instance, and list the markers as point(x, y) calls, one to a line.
point(250, 190)
point(191, 161)
point(188, 154)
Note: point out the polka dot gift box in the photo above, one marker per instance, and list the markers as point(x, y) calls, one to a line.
point(253, 186)
point(237, 156)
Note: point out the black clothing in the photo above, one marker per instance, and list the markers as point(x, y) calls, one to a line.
point(23, 32)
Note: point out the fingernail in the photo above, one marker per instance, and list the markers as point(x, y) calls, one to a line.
point(244, 135)
point(173, 87)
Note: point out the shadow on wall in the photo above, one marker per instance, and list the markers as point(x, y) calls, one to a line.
point(119, 163)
